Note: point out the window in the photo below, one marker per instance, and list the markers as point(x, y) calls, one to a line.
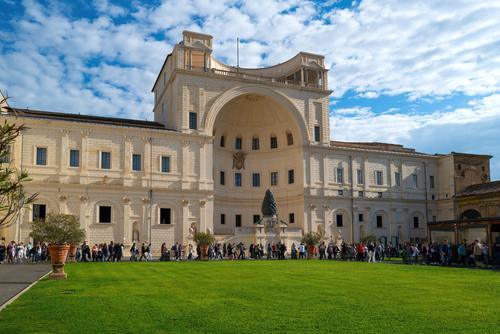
point(222, 141)
point(136, 162)
point(256, 219)
point(361, 179)
point(237, 220)
point(397, 179)
point(379, 178)
point(165, 216)
point(340, 220)
point(380, 194)
point(274, 178)
point(274, 142)
point(255, 143)
point(361, 194)
point(379, 221)
point(74, 158)
point(41, 156)
point(340, 192)
point(434, 218)
point(256, 179)
point(222, 178)
point(289, 138)
point(433, 197)
point(237, 179)
point(414, 180)
point(291, 218)
point(317, 133)
point(105, 160)
point(237, 143)
point(193, 121)
point(360, 217)
point(222, 219)
point(6, 157)
point(104, 214)
point(415, 222)
point(291, 176)
point(165, 164)
point(39, 212)
point(431, 181)
point(340, 175)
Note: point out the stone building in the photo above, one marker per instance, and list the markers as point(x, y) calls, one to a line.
point(221, 136)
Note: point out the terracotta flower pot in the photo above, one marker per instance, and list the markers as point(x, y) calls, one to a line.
point(204, 252)
point(310, 251)
point(72, 253)
point(58, 255)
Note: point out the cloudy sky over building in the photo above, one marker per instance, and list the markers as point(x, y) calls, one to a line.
point(425, 74)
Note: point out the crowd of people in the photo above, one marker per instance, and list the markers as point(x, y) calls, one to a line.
point(13, 252)
point(442, 253)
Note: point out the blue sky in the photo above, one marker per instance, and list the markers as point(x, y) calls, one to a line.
point(425, 74)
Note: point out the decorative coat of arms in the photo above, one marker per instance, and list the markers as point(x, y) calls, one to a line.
point(239, 160)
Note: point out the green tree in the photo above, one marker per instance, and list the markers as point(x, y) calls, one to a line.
point(12, 194)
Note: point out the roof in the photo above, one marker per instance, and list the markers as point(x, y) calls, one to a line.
point(481, 189)
point(375, 146)
point(50, 115)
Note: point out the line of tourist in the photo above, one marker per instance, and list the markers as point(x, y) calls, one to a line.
point(23, 253)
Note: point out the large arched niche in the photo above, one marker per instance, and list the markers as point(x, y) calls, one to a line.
point(270, 95)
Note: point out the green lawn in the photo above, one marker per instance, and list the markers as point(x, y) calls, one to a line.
point(257, 297)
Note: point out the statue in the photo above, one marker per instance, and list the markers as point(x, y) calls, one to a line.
point(269, 207)
point(239, 160)
point(339, 240)
point(192, 229)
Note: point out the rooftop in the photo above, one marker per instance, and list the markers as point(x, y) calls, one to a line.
point(481, 189)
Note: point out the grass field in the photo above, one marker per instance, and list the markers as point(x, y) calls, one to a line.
point(259, 297)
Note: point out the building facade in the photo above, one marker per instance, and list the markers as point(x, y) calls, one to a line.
point(221, 136)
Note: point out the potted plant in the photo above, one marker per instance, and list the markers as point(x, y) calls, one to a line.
point(311, 239)
point(59, 231)
point(203, 240)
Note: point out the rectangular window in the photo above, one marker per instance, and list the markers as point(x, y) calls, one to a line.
point(414, 180)
point(361, 179)
point(237, 220)
point(397, 179)
point(165, 216)
point(289, 138)
point(291, 218)
point(317, 134)
point(379, 178)
point(415, 222)
point(340, 220)
point(105, 160)
point(256, 179)
point(136, 162)
point(340, 192)
point(41, 156)
point(434, 218)
point(431, 181)
point(380, 194)
point(255, 143)
point(256, 219)
point(360, 217)
point(74, 158)
point(274, 142)
point(340, 175)
point(6, 156)
point(379, 221)
point(165, 164)
point(222, 141)
point(193, 121)
point(237, 143)
point(104, 214)
point(237, 179)
point(274, 178)
point(222, 178)
point(39, 212)
point(222, 219)
point(361, 194)
point(291, 176)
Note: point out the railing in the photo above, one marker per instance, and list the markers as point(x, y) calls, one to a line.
point(243, 75)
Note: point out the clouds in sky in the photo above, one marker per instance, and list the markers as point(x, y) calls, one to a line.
point(102, 58)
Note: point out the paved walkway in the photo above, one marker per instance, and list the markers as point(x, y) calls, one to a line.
point(14, 278)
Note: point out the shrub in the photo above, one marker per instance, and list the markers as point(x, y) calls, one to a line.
point(202, 238)
point(58, 229)
point(311, 238)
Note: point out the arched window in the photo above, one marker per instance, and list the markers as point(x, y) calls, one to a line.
point(470, 214)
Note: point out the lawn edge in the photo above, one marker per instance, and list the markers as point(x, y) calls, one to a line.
point(17, 295)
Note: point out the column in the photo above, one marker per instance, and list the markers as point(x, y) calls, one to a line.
point(84, 165)
point(127, 227)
